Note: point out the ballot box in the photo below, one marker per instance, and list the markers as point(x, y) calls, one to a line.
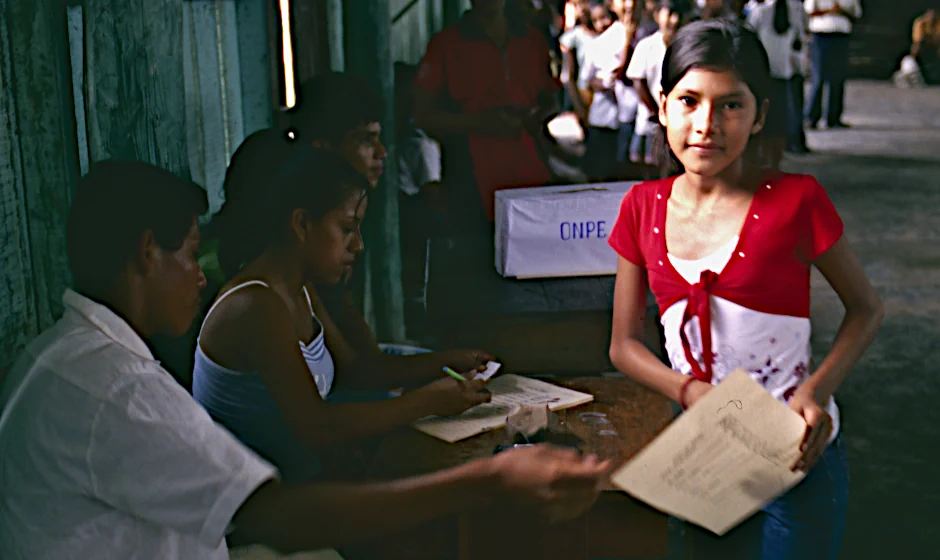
point(557, 231)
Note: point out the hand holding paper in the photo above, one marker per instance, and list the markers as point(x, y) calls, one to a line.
point(818, 428)
point(722, 460)
point(448, 396)
point(466, 362)
point(491, 369)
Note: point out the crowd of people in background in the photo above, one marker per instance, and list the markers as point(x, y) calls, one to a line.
point(599, 62)
point(596, 65)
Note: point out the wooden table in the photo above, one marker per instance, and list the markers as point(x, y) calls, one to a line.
point(617, 526)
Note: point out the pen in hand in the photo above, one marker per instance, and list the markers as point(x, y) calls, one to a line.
point(454, 374)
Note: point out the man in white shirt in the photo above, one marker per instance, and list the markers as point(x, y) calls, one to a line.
point(105, 456)
point(830, 23)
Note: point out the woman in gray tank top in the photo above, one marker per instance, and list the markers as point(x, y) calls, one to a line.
point(268, 355)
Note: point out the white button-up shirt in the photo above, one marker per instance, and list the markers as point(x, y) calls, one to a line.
point(105, 456)
point(832, 23)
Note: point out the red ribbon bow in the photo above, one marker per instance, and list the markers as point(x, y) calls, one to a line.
point(697, 305)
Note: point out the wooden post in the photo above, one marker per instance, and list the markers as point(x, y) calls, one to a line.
point(134, 99)
point(311, 39)
point(367, 32)
point(38, 166)
point(256, 61)
point(334, 30)
point(212, 87)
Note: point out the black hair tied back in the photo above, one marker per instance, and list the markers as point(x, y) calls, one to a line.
point(269, 177)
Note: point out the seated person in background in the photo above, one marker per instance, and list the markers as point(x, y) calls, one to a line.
point(268, 354)
point(926, 45)
point(342, 113)
point(105, 456)
point(486, 81)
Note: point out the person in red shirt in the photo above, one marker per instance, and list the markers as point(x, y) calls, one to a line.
point(486, 81)
point(727, 248)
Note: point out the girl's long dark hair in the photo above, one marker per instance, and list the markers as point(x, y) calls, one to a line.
point(716, 44)
point(268, 178)
point(781, 17)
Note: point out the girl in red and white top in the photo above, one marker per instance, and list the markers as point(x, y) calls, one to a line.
point(726, 248)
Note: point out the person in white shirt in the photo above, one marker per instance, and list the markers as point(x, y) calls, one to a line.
point(830, 23)
point(574, 44)
point(105, 456)
point(600, 74)
point(781, 27)
point(645, 70)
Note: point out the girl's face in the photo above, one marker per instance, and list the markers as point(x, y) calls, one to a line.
point(600, 19)
point(330, 245)
point(709, 117)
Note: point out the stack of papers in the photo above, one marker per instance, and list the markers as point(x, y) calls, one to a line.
point(508, 392)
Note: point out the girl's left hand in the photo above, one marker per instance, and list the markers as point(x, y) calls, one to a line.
point(467, 361)
point(818, 428)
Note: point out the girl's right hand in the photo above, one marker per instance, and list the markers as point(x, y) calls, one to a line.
point(695, 391)
point(450, 397)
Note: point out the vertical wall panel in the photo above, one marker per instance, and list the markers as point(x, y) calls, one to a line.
point(134, 99)
point(38, 165)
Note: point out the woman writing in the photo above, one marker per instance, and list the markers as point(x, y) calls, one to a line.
point(268, 355)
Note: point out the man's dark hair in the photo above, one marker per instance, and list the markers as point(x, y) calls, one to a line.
point(331, 104)
point(114, 204)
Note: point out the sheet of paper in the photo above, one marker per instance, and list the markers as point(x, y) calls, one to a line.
point(720, 461)
point(508, 392)
point(491, 369)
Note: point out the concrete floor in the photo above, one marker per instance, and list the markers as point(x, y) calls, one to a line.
point(884, 177)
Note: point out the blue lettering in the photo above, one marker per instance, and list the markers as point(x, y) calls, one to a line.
point(582, 230)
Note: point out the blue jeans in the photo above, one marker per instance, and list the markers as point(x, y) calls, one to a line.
point(806, 523)
point(624, 139)
point(796, 136)
point(600, 153)
point(829, 58)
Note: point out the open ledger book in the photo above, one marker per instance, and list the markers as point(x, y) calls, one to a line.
point(720, 461)
point(508, 391)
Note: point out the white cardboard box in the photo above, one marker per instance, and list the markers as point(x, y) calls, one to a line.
point(557, 231)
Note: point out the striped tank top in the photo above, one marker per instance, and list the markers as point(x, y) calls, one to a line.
point(240, 402)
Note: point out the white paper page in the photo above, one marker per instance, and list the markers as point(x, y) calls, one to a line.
point(720, 461)
point(491, 369)
point(508, 392)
